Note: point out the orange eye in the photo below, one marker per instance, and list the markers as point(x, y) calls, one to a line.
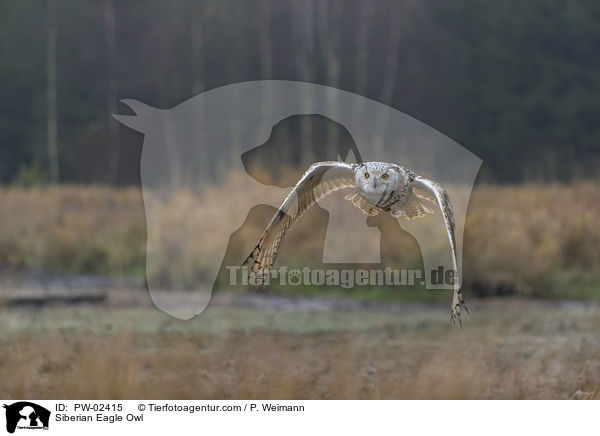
point(367, 175)
point(385, 177)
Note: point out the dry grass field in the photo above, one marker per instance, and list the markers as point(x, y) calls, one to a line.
point(528, 240)
point(507, 349)
point(536, 246)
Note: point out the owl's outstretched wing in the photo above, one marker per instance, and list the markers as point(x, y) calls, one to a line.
point(428, 189)
point(320, 180)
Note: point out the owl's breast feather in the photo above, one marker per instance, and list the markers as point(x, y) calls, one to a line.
point(375, 196)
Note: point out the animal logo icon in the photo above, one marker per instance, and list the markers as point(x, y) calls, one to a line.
point(26, 415)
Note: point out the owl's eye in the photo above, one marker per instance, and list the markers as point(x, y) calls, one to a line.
point(385, 177)
point(367, 175)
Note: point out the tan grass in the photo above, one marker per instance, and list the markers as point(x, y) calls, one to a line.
point(532, 236)
point(508, 351)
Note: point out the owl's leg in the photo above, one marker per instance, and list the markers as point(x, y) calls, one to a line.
point(396, 212)
point(410, 209)
point(359, 202)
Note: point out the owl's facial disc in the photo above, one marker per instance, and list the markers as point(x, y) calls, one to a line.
point(373, 181)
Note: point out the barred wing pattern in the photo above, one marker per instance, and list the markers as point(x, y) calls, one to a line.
point(433, 191)
point(320, 180)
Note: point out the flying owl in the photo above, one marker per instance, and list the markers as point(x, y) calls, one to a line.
point(377, 187)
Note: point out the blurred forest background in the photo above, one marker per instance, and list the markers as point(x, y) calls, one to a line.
point(515, 82)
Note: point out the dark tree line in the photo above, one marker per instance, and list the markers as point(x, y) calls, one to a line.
point(516, 82)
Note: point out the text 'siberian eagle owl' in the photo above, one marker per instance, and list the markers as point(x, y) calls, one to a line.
point(378, 186)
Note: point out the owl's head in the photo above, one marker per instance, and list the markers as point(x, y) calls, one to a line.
point(375, 177)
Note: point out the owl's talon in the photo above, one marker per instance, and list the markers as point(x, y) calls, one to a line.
point(464, 306)
point(455, 316)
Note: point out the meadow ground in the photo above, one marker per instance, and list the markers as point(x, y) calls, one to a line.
point(302, 349)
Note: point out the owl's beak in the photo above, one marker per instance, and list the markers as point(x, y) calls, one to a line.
point(374, 182)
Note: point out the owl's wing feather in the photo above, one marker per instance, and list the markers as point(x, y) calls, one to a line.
point(428, 189)
point(423, 194)
point(320, 180)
